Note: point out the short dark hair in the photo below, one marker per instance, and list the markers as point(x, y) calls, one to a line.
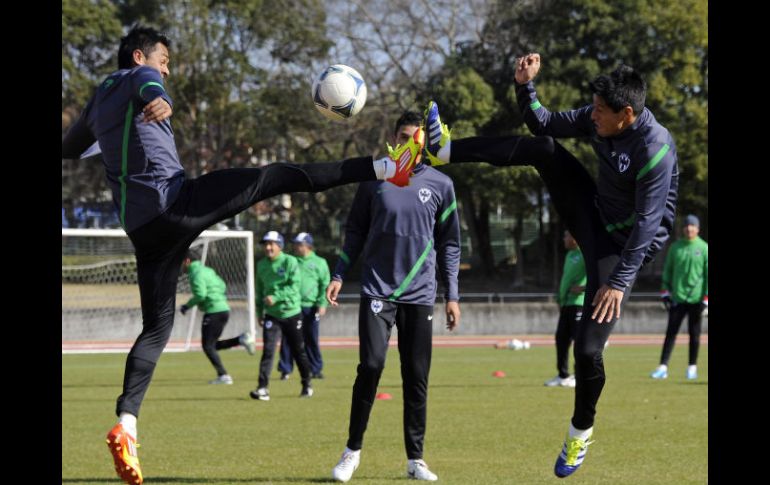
point(409, 118)
point(623, 87)
point(142, 38)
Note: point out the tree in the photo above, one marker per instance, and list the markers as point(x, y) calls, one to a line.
point(578, 40)
point(90, 31)
point(242, 71)
point(667, 43)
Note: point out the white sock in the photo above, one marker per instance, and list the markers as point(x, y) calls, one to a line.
point(384, 168)
point(692, 368)
point(583, 434)
point(129, 423)
point(348, 450)
point(662, 367)
point(443, 152)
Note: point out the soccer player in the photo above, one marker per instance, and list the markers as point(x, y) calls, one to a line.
point(279, 312)
point(685, 292)
point(407, 238)
point(163, 211)
point(314, 278)
point(620, 221)
point(571, 297)
point(209, 295)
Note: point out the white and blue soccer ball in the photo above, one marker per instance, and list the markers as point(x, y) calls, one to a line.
point(339, 92)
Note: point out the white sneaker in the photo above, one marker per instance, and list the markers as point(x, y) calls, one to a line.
point(247, 340)
point(223, 379)
point(260, 394)
point(347, 465)
point(692, 372)
point(418, 470)
point(557, 381)
point(307, 391)
point(660, 372)
point(568, 382)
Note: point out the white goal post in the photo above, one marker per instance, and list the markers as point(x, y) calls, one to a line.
point(101, 310)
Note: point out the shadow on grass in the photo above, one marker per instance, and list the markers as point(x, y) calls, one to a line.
point(176, 399)
point(205, 480)
point(157, 382)
point(86, 386)
point(491, 384)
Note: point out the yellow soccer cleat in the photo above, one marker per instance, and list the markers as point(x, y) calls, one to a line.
point(406, 158)
point(571, 457)
point(438, 135)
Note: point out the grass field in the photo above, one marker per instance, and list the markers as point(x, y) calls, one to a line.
point(481, 429)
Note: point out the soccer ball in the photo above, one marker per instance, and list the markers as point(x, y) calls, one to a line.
point(339, 92)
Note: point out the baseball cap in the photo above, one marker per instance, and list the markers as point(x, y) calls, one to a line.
point(304, 237)
point(274, 236)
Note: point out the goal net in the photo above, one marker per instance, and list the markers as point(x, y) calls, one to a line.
point(101, 310)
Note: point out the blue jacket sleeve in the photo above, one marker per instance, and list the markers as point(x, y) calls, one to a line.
point(356, 230)
point(447, 237)
point(147, 84)
point(541, 122)
point(667, 222)
point(652, 187)
point(79, 136)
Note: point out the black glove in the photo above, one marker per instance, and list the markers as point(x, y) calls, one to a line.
point(184, 309)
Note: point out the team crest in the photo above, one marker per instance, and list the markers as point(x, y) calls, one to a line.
point(268, 324)
point(376, 306)
point(281, 271)
point(299, 324)
point(623, 162)
point(424, 195)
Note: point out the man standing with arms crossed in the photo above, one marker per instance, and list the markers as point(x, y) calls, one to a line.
point(407, 238)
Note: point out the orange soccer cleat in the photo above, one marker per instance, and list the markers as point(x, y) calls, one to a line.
point(123, 448)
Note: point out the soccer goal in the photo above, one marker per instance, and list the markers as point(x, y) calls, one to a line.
point(101, 310)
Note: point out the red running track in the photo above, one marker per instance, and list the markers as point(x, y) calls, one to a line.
point(352, 342)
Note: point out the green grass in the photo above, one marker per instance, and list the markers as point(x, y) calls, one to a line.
point(481, 429)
